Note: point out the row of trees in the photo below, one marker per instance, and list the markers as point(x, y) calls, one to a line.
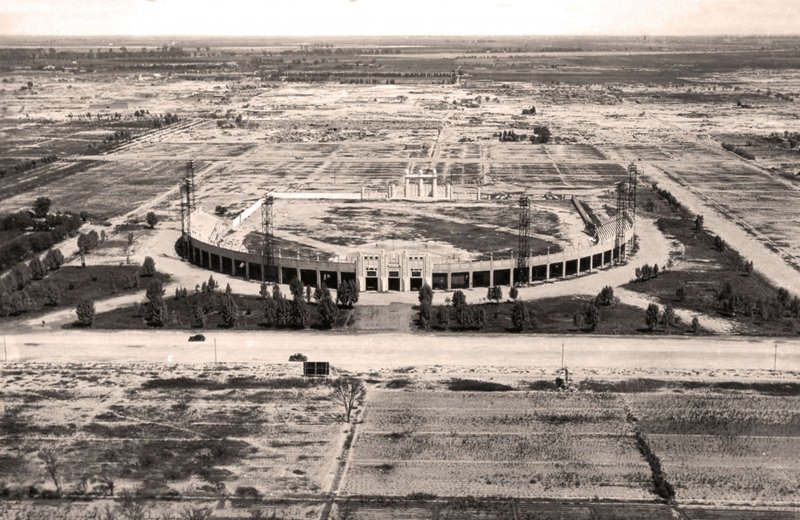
point(654, 317)
point(646, 272)
point(668, 196)
point(456, 310)
point(541, 135)
point(29, 164)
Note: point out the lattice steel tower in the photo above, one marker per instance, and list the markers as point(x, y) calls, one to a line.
point(523, 245)
point(186, 213)
point(621, 224)
point(267, 239)
point(633, 181)
point(190, 166)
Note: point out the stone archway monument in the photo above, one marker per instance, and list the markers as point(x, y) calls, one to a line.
point(421, 184)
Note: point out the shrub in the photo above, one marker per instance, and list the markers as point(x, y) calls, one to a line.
point(513, 293)
point(298, 357)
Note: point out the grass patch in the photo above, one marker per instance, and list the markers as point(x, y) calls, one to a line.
point(231, 383)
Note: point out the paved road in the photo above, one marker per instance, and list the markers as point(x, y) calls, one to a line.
point(373, 351)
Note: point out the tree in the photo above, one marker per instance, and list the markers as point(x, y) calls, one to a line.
point(151, 219)
point(443, 317)
point(668, 316)
point(54, 259)
point(513, 293)
point(321, 292)
point(53, 295)
point(424, 314)
point(202, 513)
point(680, 293)
point(695, 324)
point(158, 313)
point(127, 248)
point(199, 317)
point(88, 241)
point(230, 311)
point(50, 458)
point(591, 316)
point(37, 267)
point(494, 293)
point(21, 276)
point(698, 222)
point(299, 312)
point(85, 312)
point(719, 244)
point(605, 297)
point(296, 288)
point(651, 316)
point(328, 312)
point(148, 266)
point(519, 316)
point(542, 133)
point(425, 293)
point(154, 291)
point(350, 393)
point(41, 207)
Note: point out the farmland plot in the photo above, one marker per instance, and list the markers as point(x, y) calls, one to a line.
point(176, 434)
point(107, 188)
point(511, 444)
point(725, 447)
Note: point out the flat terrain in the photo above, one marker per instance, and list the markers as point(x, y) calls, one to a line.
point(423, 440)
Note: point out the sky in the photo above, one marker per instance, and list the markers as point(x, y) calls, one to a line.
point(398, 17)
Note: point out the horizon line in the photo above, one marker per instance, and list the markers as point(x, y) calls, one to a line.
point(554, 35)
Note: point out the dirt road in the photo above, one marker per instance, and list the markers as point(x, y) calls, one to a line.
point(373, 351)
point(767, 262)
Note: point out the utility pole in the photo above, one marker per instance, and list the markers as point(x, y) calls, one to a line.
point(562, 354)
point(775, 359)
